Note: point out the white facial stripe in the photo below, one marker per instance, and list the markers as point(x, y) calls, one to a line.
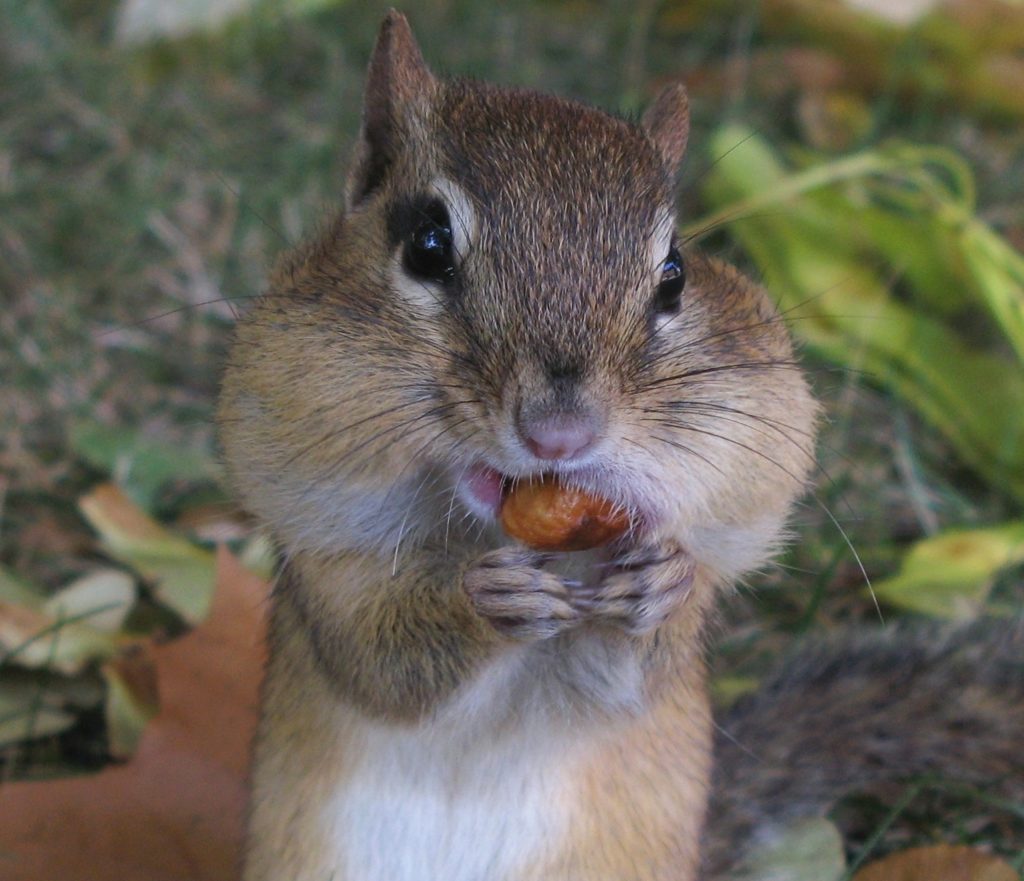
point(461, 212)
point(424, 294)
point(661, 241)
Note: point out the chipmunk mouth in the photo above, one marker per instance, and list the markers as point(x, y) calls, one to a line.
point(482, 490)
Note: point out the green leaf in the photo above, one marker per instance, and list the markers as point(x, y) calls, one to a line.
point(807, 850)
point(142, 465)
point(27, 712)
point(838, 295)
point(182, 573)
point(18, 592)
point(132, 700)
point(34, 638)
point(109, 590)
point(997, 273)
point(950, 576)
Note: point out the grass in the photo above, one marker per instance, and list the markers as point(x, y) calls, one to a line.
point(145, 191)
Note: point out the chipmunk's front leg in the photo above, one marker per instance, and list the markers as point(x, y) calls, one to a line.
point(399, 644)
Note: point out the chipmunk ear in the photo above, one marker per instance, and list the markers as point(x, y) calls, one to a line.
point(399, 87)
point(667, 123)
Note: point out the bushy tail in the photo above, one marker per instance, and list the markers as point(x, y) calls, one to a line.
point(845, 714)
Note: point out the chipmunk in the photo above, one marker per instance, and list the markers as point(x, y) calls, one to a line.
point(503, 299)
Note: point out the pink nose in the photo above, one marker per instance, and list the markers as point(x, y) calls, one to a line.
point(558, 437)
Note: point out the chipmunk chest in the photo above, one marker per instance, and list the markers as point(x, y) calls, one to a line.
point(418, 806)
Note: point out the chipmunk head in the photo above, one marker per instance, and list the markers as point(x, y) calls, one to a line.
point(506, 296)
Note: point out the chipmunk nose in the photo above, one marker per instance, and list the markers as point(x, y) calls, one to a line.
point(561, 436)
point(559, 420)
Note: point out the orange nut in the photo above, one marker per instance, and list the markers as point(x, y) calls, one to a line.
point(547, 516)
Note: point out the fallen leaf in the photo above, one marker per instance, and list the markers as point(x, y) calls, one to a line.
point(20, 593)
point(109, 590)
point(141, 464)
point(809, 849)
point(183, 572)
point(950, 575)
point(33, 638)
point(941, 862)
point(899, 12)
point(174, 812)
point(29, 710)
point(132, 700)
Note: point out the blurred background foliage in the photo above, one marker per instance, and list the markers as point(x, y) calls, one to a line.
point(865, 159)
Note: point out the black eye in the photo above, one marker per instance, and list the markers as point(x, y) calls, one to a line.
point(428, 250)
point(670, 288)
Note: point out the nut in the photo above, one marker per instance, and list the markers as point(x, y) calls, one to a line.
point(547, 516)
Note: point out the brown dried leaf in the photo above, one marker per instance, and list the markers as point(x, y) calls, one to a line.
point(941, 862)
point(174, 812)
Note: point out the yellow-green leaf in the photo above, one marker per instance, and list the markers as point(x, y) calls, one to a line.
point(181, 571)
point(104, 597)
point(14, 590)
point(132, 700)
point(808, 850)
point(28, 711)
point(34, 638)
point(950, 575)
point(838, 295)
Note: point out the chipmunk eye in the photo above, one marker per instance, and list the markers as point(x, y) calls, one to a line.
point(670, 288)
point(428, 250)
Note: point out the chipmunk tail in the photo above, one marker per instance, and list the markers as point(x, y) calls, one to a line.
point(855, 713)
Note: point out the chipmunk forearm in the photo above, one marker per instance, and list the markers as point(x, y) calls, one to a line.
point(394, 644)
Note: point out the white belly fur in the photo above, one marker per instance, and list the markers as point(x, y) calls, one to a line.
point(458, 799)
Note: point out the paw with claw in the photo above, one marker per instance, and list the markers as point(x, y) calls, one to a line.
point(510, 589)
point(640, 588)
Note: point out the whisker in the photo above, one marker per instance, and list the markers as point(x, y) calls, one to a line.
point(429, 477)
point(410, 426)
point(177, 310)
point(451, 501)
point(702, 406)
point(337, 432)
point(711, 165)
point(681, 446)
point(193, 149)
point(846, 539)
point(710, 413)
point(429, 387)
point(722, 368)
point(739, 214)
